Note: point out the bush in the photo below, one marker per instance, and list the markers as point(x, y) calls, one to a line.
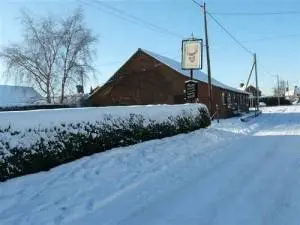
point(34, 107)
point(69, 142)
point(273, 101)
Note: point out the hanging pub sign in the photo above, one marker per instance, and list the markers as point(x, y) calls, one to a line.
point(191, 90)
point(191, 54)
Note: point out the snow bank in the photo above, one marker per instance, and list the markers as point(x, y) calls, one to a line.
point(281, 109)
point(250, 115)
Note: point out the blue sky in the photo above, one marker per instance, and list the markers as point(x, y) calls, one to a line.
point(275, 38)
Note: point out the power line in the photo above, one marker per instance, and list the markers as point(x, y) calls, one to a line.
point(138, 19)
point(237, 41)
point(227, 32)
point(273, 38)
point(108, 12)
point(265, 71)
point(256, 13)
point(131, 18)
point(197, 3)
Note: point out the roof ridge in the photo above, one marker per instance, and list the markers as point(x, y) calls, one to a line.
point(9, 85)
point(198, 75)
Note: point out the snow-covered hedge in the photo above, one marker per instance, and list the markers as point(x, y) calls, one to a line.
point(33, 107)
point(34, 141)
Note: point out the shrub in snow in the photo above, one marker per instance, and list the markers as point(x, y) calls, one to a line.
point(33, 107)
point(67, 142)
point(273, 101)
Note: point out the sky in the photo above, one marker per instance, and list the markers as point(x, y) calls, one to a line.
point(262, 26)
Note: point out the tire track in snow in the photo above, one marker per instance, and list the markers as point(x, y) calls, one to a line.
point(263, 183)
point(224, 179)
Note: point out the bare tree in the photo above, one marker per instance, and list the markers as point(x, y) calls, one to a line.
point(280, 89)
point(54, 54)
point(33, 60)
point(76, 52)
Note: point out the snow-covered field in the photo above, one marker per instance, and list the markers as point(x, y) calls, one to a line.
point(230, 173)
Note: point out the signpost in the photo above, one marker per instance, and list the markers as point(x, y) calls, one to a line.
point(191, 90)
point(191, 60)
point(191, 54)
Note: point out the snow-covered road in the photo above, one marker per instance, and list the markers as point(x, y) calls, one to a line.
point(230, 173)
point(255, 182)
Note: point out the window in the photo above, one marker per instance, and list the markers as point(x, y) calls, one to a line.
point(223, 98)
point(234, 100)
point(242, 100)
point(247, 99)
point(228, 99)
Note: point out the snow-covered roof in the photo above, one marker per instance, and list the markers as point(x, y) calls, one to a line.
point(290, 93)
point(18, 95)
point(241, 89)
point(198, 75)
point(297, 90)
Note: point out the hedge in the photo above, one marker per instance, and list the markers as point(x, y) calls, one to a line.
point(273, 101)
point(34, 107)
point(72, 141)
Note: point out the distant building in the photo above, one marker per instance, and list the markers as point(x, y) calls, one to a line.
point(297, 91)
point(71, 99)
point(290, 94)
point(149, 78)
point(18, 96)
point(252, 90)
point(293, 94)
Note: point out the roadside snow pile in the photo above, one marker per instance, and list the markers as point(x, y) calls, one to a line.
point(35, 141)
point(251, 115)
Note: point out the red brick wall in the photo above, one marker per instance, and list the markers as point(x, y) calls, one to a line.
point(144, 80)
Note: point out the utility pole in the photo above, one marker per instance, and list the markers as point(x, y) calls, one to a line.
point(278, 94)
point(253, 65)
point(210, 96)
point(256, 81)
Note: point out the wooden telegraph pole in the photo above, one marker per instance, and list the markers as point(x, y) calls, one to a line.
point(210, 96)
point(278, 90)
point(256, 82)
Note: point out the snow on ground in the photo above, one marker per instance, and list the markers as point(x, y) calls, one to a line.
point(230, 173)
point(285, 121)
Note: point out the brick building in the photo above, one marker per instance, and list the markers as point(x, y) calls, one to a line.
point(252, 90)
point(149, 78)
